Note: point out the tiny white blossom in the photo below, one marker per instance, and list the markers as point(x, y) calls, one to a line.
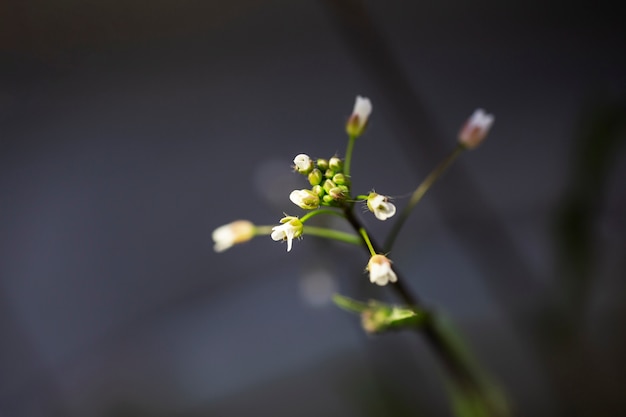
point(305, 199)
point(475, 129)
point(380, 206)
point(229, 234)
point(379, 267)
point(303, 163)
point(290, 228)
point(360, 115)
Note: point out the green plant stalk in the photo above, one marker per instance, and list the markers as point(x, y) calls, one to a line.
point(419, 192)
point(318, 232)
point(348, 158)
point(332, 234)
point(321, 211)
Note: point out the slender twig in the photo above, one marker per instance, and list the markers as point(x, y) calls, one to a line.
point(332, 234)
point(348, 157)
point(419, 192)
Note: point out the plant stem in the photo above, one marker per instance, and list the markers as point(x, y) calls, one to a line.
point(321, 211)
point(348, 157)
point(332, 234)
point(463, 375)
point(419, 193)
point(367, 240)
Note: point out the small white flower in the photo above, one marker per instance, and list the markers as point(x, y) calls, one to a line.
point(380, 270)
point(303, 163)
point(290, 229)
point(380, 206)
point(229, 234)
point(475, 129)
point(360, 115)
point(305, 199)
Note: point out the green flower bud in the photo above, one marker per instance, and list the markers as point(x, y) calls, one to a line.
point(315, 177)
point(336, 193)
point(335, 163)
point(318, 190)
point(340, 179)
point(329, 173)
point(322, 164)
point(328, 185)
point(328, 200)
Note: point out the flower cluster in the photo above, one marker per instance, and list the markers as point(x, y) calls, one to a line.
point(329, 181)
point(329, 186)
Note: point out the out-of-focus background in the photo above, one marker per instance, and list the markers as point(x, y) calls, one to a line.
point(130, 129)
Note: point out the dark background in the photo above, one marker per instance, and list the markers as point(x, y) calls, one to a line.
point(130, 129)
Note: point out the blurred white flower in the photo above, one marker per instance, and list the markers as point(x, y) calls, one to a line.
point(380, 270)
point(475, 129)
point(290, 229)
point(360, 115)
point(232, 233)
point(380, 206)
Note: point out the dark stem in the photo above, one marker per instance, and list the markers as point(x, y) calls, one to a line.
point(457, 367)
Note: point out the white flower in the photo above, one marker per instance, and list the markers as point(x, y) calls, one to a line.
point(305, 199)
point(380, 270)
point(303, 163)
point(290, 228)
point(229, 234)
point(380, 206)
point(475, 129)
point(360, 114)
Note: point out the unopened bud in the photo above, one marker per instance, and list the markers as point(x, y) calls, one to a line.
point(335, 163)
point(315, 177)
point(322, 164)
point(336, 193)
point(475, 129)
point(318, 190)
point(358, 120)
point(328, 199)
point(328, 185)
point(340, 179)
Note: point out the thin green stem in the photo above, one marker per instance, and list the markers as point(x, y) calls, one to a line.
point(263, 230)
point(348, 157)
point(321, 211)
point(419, 192)
point(367, 240)
point(332, 234)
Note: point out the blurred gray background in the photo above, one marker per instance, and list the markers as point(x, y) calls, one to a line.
point(130, 129)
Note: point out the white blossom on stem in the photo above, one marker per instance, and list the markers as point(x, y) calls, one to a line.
point(290, 228)
point(475, 129)
point(305, 199)
point(380, 270)
point(232, 233)
point(360, 114)
point(303, 163)
point(380, 206)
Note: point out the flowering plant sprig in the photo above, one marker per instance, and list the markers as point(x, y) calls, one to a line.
point(330, 192)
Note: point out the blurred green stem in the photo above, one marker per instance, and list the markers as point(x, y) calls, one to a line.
point(419, 192)
point(472, 395)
